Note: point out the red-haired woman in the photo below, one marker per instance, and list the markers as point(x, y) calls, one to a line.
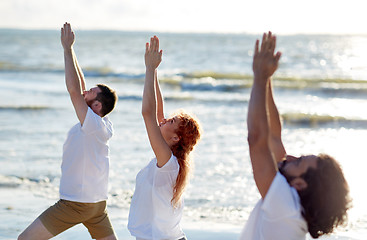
point(156, 207)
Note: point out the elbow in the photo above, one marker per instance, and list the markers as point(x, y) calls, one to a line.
point(258, 132)
point(146, 112)
point(73, 91)
point(148, 115)
point(256, 138)
point(252, 138)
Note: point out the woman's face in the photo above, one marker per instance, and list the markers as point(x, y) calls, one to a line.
point(168, 128)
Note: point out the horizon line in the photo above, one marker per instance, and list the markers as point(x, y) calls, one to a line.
point(189, 32)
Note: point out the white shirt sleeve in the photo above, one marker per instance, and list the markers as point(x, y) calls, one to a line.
point(167, 174)
point(282, 212)
point(281, 199)
point(94, 122)
point(91, 121)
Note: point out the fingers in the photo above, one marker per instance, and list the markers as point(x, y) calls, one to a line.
point(266, 60)
point(262, 48)
point(269, 34)
point(66, 30)
point(153, 56)
point(272, 40)
point(156, 47)
point(256, 51)
point(268, 44)
point(67, 36)
point(63, 30)
point(153, 46)
point(277, 56)
point(154, 41)
point(146, 47)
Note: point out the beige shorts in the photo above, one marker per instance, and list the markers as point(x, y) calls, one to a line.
point(66, 214)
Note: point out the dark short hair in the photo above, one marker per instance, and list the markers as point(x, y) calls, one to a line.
point(107, 97)
point(326, 199)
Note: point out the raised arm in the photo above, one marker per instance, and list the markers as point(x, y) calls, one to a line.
point(72, 76)
point(153, 58)
point(275, 137)
point(264, 65)
point(160, 106)
point(80, 73)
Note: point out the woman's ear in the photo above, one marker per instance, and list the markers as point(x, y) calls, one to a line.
point(175, 138)
point(299, 183)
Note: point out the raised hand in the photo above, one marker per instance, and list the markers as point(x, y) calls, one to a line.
point(67, 37)
point(265, 61)
point(153, 56)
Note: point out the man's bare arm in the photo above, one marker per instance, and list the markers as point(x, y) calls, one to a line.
point(80, 73)
point(72, 80)
point(264, 65)
point(275, 137)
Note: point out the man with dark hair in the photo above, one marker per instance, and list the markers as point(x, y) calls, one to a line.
point(107, 97)
point(85, 162)
point(299, 194)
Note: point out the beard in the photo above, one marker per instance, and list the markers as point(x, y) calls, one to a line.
point(90, 102)
point(283, 171)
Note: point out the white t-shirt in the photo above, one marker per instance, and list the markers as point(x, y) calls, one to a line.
point(278, 216)
point(152, 215)
point(85, 161)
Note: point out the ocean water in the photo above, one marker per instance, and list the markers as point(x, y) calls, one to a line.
point(320, 90)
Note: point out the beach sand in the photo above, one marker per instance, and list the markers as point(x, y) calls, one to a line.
point(16, 214)
point(19, 206)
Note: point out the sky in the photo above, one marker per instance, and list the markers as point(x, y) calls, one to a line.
point(220, 16)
